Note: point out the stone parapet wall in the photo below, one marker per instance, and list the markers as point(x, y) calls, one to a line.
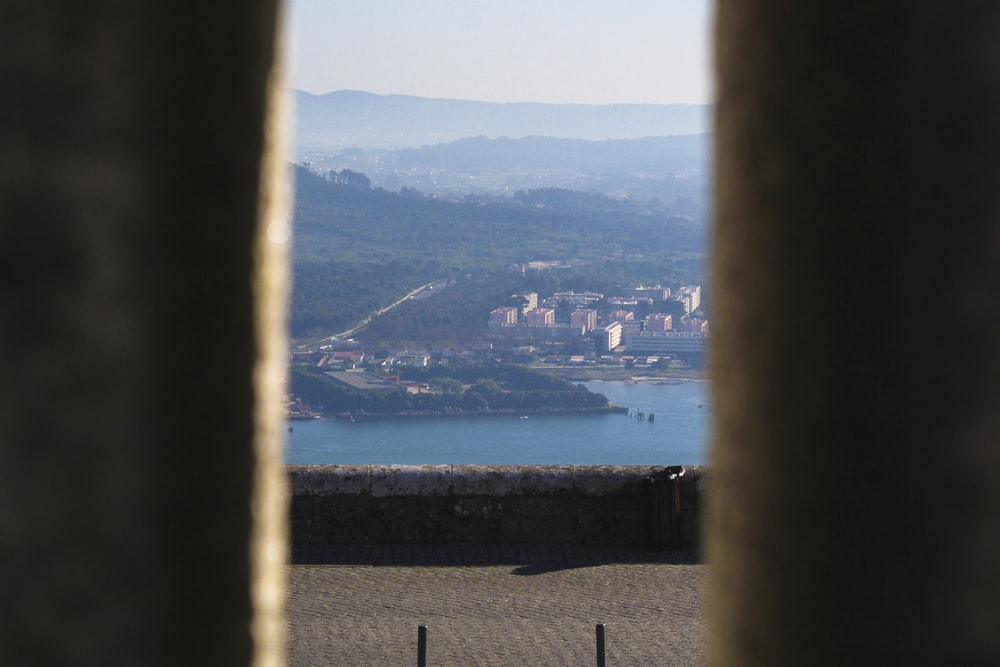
point(379, 504)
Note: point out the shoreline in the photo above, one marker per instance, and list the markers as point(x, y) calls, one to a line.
point(642, 380)
point(627, 375)
point(612, 408)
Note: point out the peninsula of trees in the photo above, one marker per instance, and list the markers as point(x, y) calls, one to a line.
point(446, 389)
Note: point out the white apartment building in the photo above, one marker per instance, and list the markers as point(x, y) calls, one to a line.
point(608, 337)
point(666, 343)
point(530, 302)
point(690, 296)
point(657, 292)
point(578, 298)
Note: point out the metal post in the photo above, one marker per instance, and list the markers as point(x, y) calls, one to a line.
point(422, 646)
point(602, 660)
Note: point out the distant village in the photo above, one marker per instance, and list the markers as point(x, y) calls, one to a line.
point(611, 324)
point(632, 330)
point(570, 328)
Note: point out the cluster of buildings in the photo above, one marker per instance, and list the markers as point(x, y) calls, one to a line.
point(349, 355)
point(631, 327)
point(611, 322)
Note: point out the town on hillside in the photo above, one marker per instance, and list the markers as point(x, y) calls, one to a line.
point(633, 330)
point(620, 328)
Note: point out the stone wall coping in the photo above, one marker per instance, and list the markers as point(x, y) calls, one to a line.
point(467, 480)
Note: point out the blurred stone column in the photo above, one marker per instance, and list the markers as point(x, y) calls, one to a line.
point(131, 144)
point(855, 498)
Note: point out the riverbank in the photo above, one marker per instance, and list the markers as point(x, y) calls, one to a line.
point(359, 416)
point(620, 374)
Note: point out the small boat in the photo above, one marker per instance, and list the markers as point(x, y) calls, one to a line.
point(524, 416)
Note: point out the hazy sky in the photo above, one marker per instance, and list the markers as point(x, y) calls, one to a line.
point(560, 51)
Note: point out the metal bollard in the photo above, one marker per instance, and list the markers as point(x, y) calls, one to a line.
point(602, 660)
point(422, 646)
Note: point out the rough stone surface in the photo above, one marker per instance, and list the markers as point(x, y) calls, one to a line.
point(502, 480)
point(609, 480)
point(317, 480)
point(409, 480)
point(480, 504)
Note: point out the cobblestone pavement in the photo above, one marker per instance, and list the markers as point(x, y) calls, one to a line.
point(490, 606)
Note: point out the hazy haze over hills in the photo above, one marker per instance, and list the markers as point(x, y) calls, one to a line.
point(556, 153)
point(354, 119)
point(661, 167)
point(458, 147)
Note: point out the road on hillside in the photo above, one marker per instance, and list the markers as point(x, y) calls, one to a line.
point(422, 292)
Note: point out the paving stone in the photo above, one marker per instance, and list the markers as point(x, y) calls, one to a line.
point(517, 613)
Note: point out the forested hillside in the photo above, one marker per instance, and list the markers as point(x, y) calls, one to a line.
point(357, 249)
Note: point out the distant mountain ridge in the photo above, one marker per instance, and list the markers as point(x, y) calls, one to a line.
point(356, 119)
point(663, 167)
point(652, 153)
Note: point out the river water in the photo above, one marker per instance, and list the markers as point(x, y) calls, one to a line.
point(679, 435)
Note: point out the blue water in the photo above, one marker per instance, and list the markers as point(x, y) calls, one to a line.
point(679, 435)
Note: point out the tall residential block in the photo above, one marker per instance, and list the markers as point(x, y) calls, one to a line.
point(541, 317)
point(584, 317)
point(659, 322)
point(690, 296)
point(529, 301)
point(504, 315)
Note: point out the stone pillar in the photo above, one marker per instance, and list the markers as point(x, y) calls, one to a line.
point(855, 499)
point(131, 137)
